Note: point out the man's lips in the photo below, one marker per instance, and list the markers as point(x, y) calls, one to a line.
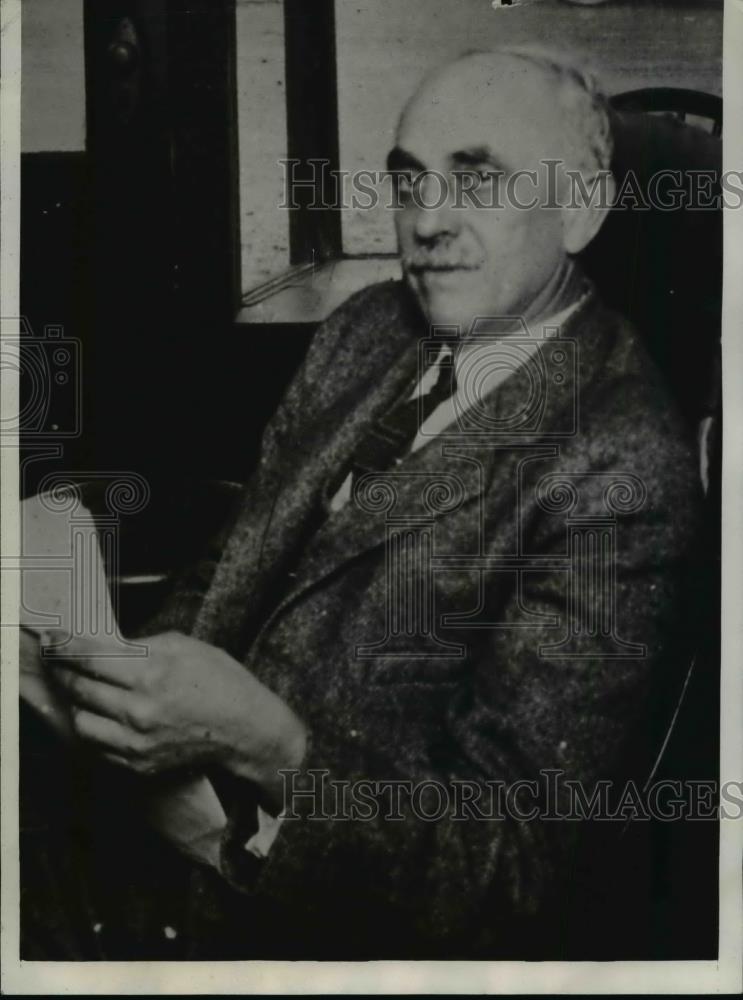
point(441, 268)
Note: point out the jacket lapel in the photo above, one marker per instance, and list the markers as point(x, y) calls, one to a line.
point(282, 538)
point(283, 503)
point(439, 479)
point(452, 471)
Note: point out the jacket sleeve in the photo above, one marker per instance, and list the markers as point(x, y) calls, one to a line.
point(389, 863)
point(329, 346)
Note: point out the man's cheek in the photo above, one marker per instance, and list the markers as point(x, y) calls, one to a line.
point(404, 227)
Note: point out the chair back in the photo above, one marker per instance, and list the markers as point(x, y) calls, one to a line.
point(659, 265)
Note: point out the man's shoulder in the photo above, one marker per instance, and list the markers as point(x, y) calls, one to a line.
point(383, 297)
point(367, 310)
point(622, 376)
point(369, 329)
point(627, 407)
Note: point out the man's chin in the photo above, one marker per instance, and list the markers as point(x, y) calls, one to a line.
point(446, 311)
point(438, 309)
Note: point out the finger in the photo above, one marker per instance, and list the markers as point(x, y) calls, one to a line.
point(104, 699)
point(108, 734)
point(117, 760)
point(124, 672)
point(28, 652)
point(83, 646)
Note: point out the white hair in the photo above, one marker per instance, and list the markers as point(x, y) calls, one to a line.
point(579, 97)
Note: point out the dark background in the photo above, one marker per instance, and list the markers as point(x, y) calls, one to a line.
point(132, 247)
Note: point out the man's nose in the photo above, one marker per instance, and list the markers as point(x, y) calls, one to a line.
point(435, 213)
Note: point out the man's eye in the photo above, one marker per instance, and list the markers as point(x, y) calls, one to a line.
point(480, 175)
point(478, 186)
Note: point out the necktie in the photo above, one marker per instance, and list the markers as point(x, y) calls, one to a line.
point(389, 438)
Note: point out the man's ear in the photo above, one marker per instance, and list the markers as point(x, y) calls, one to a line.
point(586, 209)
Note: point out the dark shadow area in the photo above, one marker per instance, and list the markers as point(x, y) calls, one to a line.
point(130, 248)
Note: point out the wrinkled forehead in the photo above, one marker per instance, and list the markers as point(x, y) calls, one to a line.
point(506, 103)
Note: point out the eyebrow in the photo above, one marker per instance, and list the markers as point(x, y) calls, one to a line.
point(401, 159)
point(473, 156)
point(476, 156)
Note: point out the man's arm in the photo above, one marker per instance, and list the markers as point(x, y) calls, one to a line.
point(394, 870)
point(518, 715)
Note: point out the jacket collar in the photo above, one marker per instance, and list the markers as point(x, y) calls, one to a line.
point(284, 543)
point(449, 473)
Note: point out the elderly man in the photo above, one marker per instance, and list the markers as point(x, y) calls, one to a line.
point(452, 594)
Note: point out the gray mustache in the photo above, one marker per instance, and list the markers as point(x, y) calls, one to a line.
point(440, 260)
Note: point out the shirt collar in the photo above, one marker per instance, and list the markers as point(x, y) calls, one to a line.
point(481, 364)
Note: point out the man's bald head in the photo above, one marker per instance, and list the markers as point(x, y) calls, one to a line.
point(556, 108)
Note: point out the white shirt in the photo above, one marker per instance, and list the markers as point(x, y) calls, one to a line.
point(479, 370)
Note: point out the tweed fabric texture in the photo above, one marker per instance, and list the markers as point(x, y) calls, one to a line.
point(293, 594)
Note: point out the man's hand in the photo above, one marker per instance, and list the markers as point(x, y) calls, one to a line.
point(185, 703)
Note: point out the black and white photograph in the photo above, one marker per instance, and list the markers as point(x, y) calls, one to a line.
point(369, 564)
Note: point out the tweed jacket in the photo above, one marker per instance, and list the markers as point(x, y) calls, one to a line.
point(511, 671)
